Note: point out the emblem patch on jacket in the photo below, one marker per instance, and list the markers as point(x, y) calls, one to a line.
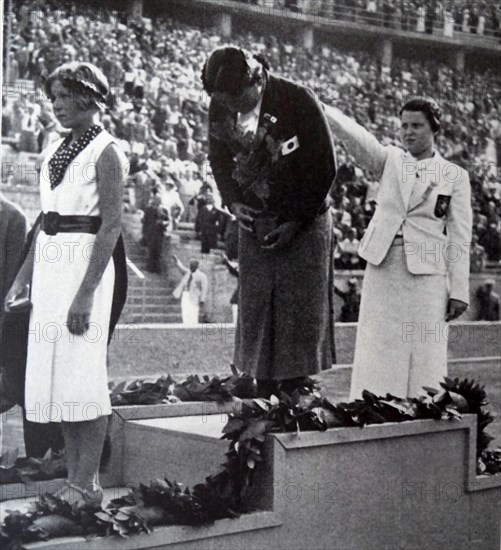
point(442, 205)
point(289, 146)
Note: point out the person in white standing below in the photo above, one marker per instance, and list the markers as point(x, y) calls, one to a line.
point(417, 249)
point(72, 277)
point(192, 290)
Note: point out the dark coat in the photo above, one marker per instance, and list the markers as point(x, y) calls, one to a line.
point(285, 326)
point(301, 180)
point(13, 229)
point(209, 223)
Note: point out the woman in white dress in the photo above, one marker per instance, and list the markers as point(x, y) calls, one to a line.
point(417, 252)
point(72, 276)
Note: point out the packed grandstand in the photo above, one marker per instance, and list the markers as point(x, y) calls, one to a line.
point(159, 112)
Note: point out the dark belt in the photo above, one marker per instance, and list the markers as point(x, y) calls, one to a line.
point(53, 223)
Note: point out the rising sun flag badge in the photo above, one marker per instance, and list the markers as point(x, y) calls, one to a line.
point(289, 146)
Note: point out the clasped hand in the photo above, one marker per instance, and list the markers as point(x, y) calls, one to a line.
point(278, 237)
point(281, 236)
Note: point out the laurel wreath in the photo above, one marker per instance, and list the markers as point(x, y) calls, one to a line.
point(225, 494)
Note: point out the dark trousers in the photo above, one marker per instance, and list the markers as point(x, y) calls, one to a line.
point(38, 438)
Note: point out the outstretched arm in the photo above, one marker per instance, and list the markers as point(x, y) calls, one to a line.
point(360, 143)
point(340, 293)
point(180, 264)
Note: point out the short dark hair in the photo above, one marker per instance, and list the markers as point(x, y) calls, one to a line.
point(227, 70)
point(85, 80)
point(429, 108)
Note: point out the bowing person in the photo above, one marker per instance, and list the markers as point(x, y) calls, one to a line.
point(273, 160)
point(417, 252)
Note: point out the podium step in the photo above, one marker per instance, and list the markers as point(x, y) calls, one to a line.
point(247, 531)
point(184, 448)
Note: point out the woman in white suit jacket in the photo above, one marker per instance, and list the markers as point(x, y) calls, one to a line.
point(417, 252)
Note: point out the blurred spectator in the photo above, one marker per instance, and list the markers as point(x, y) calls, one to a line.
point(18, 113)
point(155, 244)
point(477, 256)
point(170, 199)
point(137, 133)
point(149, 217)
point(349, 250)
point(351, 298)
point(491, 241)
point(210, 222)
point(233, 269)
point(488, 302)
point(6, 118)
point(200, 200)
point(192, 290)
point(30, 128)
point(13, 230)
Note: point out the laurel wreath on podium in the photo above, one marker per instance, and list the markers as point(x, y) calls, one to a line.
point(225, 494)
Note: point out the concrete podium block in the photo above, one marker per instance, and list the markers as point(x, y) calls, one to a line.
point(112, 475)
point(409, 485)
point(155, 451)
point(180, 441)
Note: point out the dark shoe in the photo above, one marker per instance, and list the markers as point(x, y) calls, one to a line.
point(267, 388)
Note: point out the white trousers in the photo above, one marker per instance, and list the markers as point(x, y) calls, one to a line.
point(189, 310)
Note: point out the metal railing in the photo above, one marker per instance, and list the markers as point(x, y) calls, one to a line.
point(407, 18)
point(140, 275)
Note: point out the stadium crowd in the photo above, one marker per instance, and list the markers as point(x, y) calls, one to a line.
point(159, 112)
point(481, 17)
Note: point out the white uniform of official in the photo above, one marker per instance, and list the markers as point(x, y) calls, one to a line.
point(192, 290)
point(402, 335)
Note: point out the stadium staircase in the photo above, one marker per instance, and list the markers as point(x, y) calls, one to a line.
point(149, 298)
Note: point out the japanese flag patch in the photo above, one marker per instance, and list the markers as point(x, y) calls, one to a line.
point(289, 146)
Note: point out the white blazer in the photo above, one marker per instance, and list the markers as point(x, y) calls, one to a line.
point(428, 201)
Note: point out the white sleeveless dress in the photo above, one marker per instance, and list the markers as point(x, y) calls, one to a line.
point(66, 378)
